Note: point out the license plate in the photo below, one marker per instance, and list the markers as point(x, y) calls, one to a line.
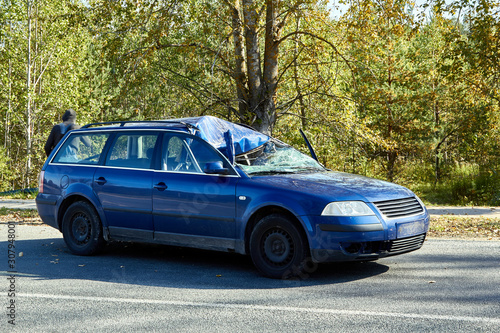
point(410, 229)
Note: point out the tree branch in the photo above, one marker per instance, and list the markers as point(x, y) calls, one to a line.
point(159, 46)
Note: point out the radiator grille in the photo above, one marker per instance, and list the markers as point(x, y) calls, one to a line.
point(400, 207)
point(406, 244)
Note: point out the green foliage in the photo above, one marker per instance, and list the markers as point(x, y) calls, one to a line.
point(41, 77)
point(465, 185)
point(7, 176)
point(378, 91)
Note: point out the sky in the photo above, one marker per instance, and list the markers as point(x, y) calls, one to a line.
point(338, 9)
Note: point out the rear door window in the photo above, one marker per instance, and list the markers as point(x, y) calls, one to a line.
point(132, 150)
point(81, 148)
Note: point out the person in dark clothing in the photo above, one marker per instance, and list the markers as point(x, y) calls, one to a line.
point(58, 131)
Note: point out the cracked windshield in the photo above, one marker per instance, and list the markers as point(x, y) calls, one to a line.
point(274, 158)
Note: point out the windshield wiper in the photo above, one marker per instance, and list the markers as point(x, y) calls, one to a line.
point(269, 172)
point(308, 169)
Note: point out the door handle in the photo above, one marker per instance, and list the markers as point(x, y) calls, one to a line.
point(101, 181)
point(161, 186)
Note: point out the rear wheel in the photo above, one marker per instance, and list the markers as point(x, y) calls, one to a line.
point(82, 229)
point(278, 249)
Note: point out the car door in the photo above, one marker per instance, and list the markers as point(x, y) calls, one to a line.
point(124, 184)
point(191, 207)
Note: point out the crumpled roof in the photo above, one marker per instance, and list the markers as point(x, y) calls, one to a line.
point(219, 133)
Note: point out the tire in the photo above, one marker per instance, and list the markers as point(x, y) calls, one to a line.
point(277, 248)
point(82, 229)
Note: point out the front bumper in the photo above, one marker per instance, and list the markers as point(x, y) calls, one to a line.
point(334, 239)
point(366, 251)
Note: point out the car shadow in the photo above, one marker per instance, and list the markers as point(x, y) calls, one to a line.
point(169, 266)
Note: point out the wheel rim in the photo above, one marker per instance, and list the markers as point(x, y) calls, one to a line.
point(277, 247)
point(81, 229)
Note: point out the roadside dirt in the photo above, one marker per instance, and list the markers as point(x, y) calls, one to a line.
point(464, 227)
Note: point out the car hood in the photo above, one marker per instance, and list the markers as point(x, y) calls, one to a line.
point(338, 186)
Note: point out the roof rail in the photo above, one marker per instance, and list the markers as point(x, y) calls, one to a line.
point(123, 123)
point(247, 126)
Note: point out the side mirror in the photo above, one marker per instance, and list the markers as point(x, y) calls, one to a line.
point(215, 168)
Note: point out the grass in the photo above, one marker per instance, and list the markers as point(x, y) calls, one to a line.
point(19, 213)
point(464, 192)
point(19, 195)
point(464, 185)
point(20, 216)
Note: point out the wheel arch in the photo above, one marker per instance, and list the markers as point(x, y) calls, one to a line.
point(269, 210)
point(68, 201)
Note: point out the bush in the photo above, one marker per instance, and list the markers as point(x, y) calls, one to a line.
point(463, 185)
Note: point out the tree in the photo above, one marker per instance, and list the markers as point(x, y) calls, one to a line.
point(472, 60)
point(476, 40)
point(239, 47)
point(380, 35)
point(41, 78)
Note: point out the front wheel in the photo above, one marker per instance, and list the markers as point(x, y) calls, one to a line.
point(277, 248)
point(82, 230)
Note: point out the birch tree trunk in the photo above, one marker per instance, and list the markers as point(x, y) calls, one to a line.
point(29, 8)
point(261, 79)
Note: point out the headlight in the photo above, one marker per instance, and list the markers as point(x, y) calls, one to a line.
point(347, 208)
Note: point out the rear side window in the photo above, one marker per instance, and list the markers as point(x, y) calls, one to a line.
point(132, 150)
point(81, 148)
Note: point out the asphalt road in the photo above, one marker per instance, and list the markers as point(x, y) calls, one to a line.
point(447, 286)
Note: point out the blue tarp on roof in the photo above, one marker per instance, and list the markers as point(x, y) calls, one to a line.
point(219, 132)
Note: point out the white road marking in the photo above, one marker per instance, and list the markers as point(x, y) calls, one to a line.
point(269, 308)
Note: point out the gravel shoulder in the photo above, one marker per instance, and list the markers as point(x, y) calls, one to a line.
point(488, 212)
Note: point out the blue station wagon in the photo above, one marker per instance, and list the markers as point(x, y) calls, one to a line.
point(207, 183)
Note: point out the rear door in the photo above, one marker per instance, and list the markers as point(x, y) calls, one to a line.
point(124, 184)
